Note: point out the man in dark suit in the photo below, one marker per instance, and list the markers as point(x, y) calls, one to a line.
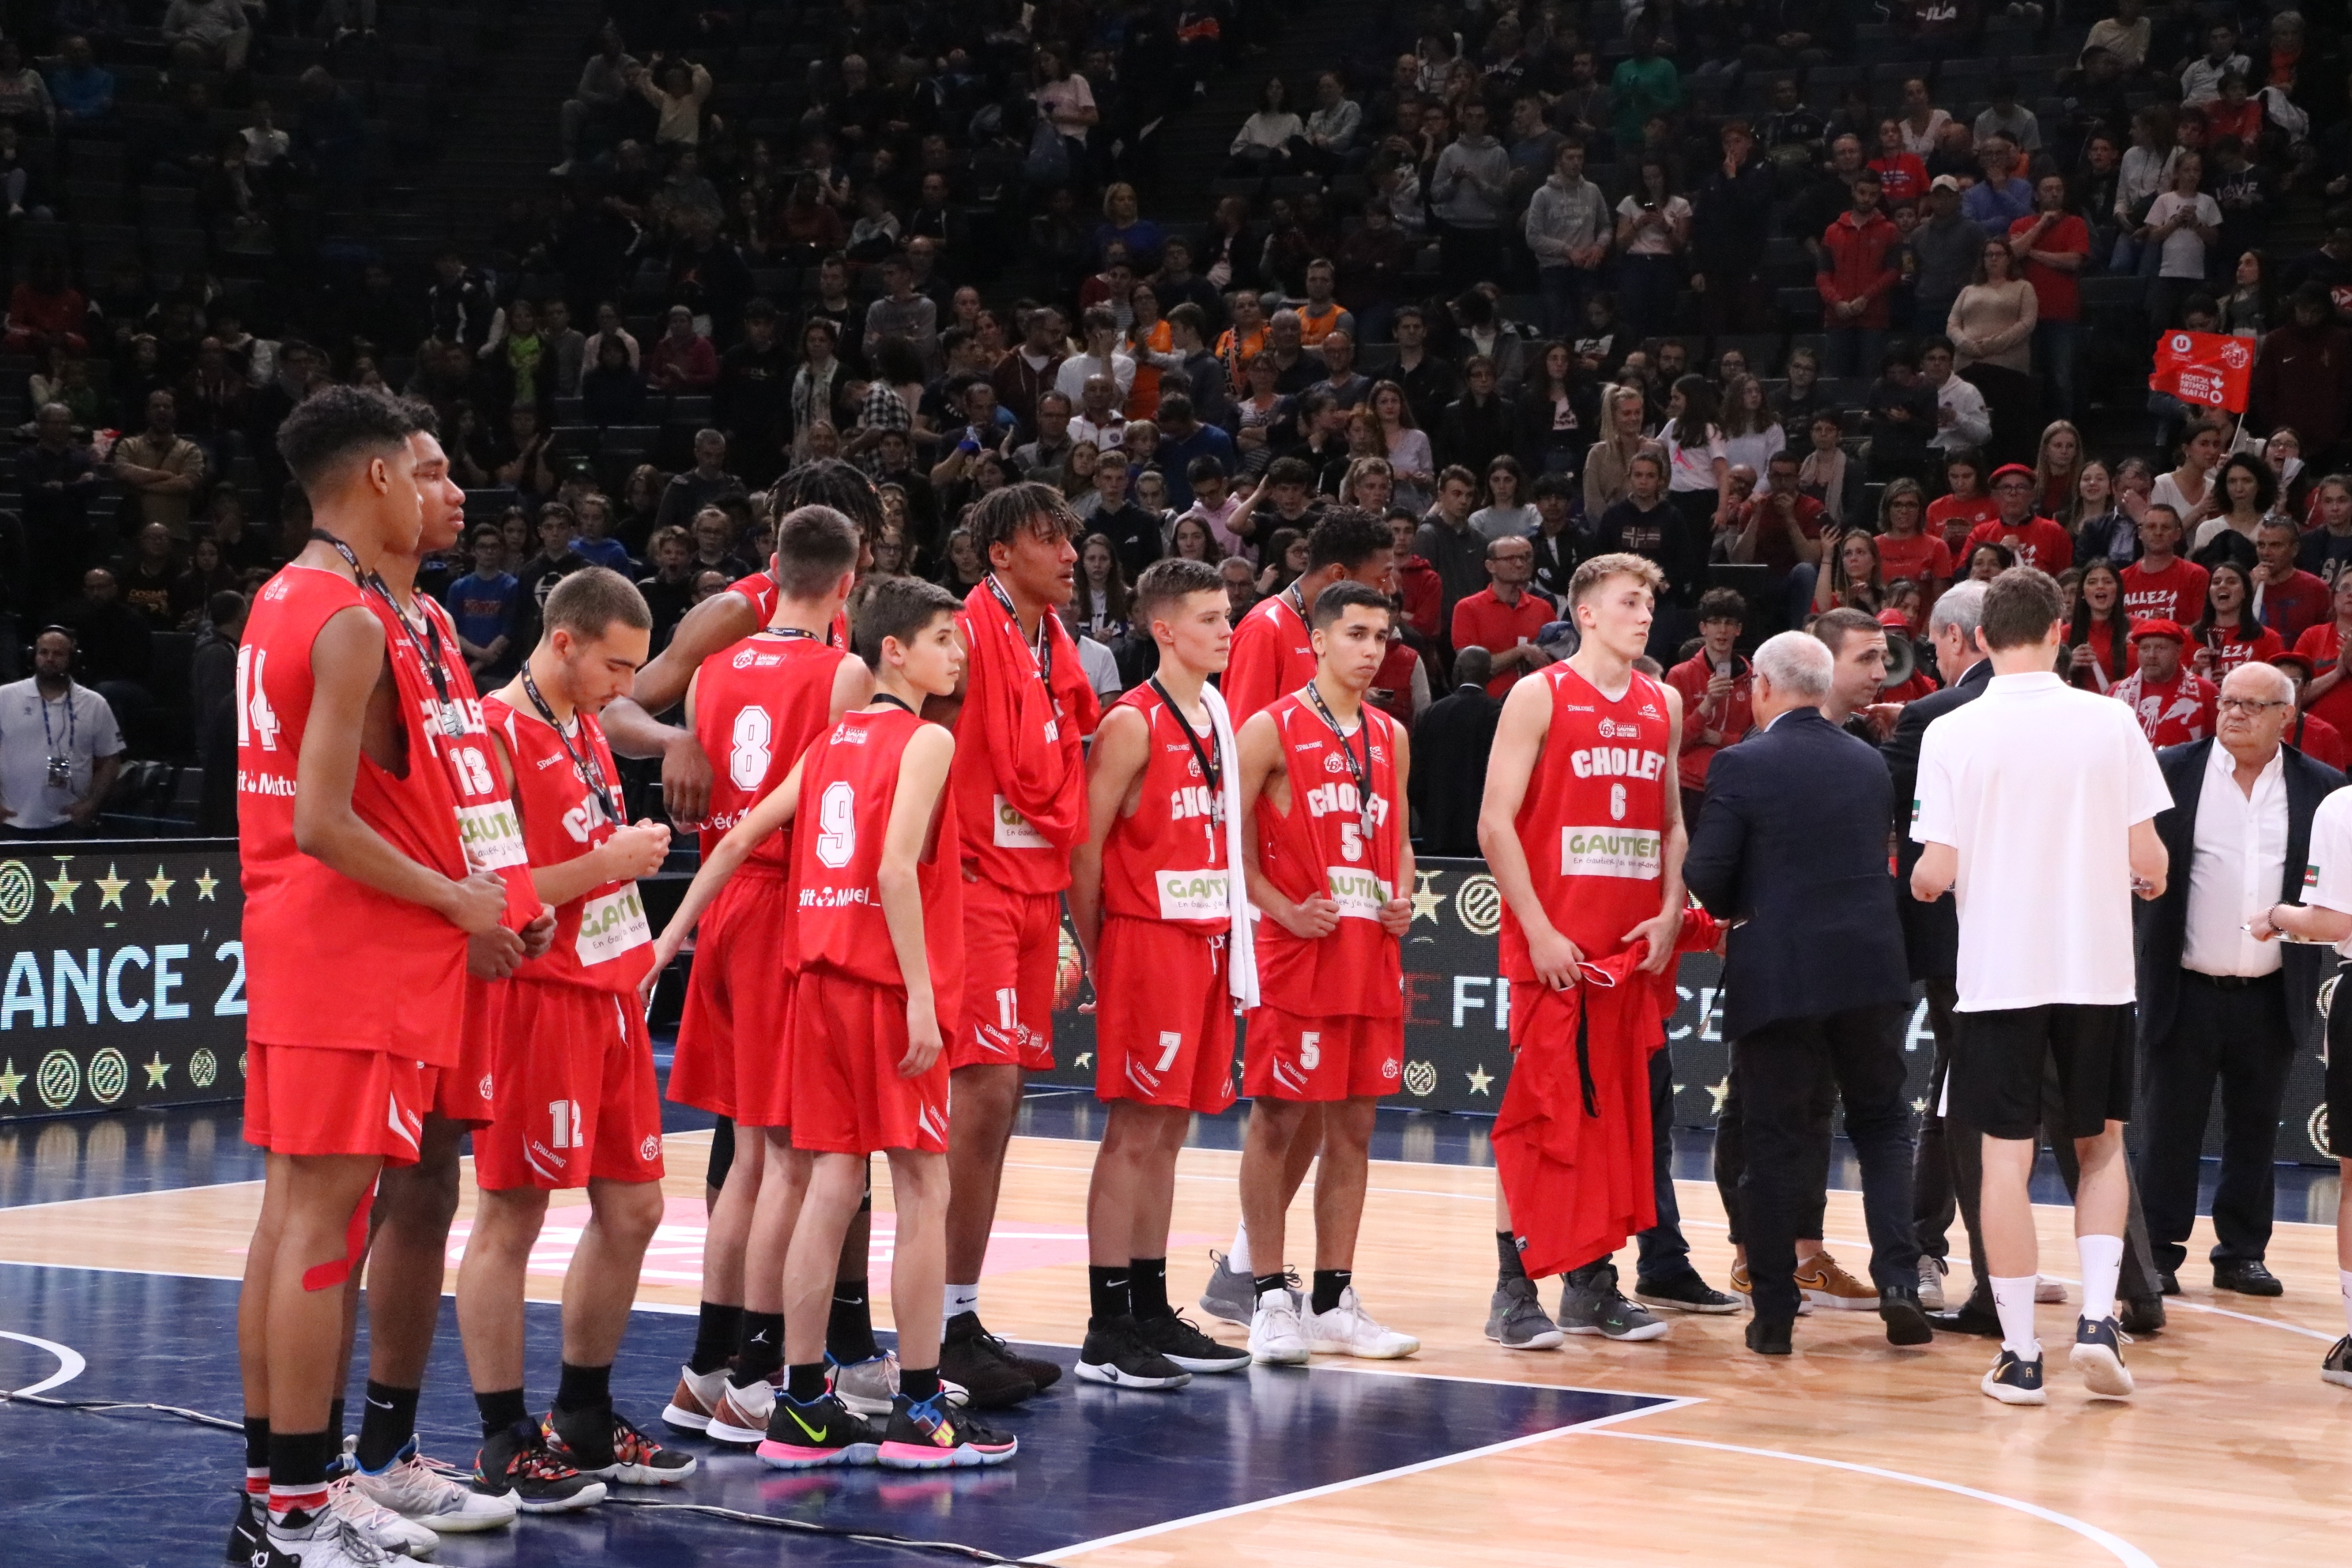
point(1790, 843)
point(1451, 738)
point(2218, 1001)
point(1950, 1165)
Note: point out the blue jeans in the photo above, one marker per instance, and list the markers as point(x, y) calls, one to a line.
point(1646, 289)
point(2056, 345)
point(1665, 1256)
point(1852, 350)
point(1565, 292)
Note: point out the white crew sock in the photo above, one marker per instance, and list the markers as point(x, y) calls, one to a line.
point(2013, 1299)
point(1238, 1259)
point(2103, 1259)
point(2344, 1276)
point(960, 1299)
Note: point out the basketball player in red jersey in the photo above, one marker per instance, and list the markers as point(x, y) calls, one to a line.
point(1020, 788)
point(1327, 856)
point(343, 839)
point(574, 1100)
point(1583, 829)
point(1151, 898)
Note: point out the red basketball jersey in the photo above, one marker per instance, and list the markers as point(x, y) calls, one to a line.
point(762, 589)
point(602, 938)
point(757, 707)
point(1593, 821)
point(329, 959)
point(848, 785)
point(1332, 842)
point(1273, 654)
point(1167, 862)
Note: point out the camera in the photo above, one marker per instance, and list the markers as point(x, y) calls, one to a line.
point(61, 773)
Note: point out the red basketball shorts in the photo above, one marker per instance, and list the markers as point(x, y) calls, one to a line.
point(324, 1099)
point(462, 1093)
point(1345, 1056)
point(573, 1096)
point(848, 1097)
point(1012, 957)
point(1163, 1016)
point(734, 1034)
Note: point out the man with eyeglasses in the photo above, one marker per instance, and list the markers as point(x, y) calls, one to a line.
point(1505, 616)
point(2220, 1001)
point(2037, 542)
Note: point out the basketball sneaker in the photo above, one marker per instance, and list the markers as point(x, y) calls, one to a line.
point(1822, 1282)
point(249, 1535)
point(1176, 1337)
point(2338, 1366)
point(1591, 1303)
point(1230, 1295)
point(823, 1432)
point(1931, 1283)
point(742, 1414)
point(1347, 1330)
point(1745, 1289)
point(1277, 1337)
point(323, 1539)
point(934, 1435)
point(387, 1529)
point(983, 1364)
point(2013, 1380)
point(867, 1386)
point(603, 1443)
point(1515, 1318)
point(413, 1488)
point(2098, 1356)
point(1685, 1293)
point(517, 1463)
point(1115, 1353)
point(697, 1399)
point(2047, 1290)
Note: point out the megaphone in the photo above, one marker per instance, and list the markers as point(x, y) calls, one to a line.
point(1901, 659)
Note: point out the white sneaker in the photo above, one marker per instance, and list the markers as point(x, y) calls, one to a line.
point(866, 1387)
point(1276, 1333)
point(742, 1414)
point(1931, 1283)
point(417, 1491)
point(1347, 1330)
point(696, 1400)
point(328, 1541)
point(2048, 1291)
point(382, 1528)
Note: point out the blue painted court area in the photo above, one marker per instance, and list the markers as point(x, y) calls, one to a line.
point(1095, 1462)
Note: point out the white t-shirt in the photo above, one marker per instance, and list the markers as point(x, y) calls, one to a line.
point(2184, 247)
point(1648, 239)
point(2327, 873)
point(2038, 785)
point(1691, 467)
point(81, 729)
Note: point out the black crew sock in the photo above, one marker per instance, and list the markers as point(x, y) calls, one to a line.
point(1107, 1289)
point(386, 1425)
point(298, 1462)
point(716, 1334)
point(1261, 1283)
point(1507, 1265)
point(500, 1410)
point(257, 1443)
point(335, 1422)
point(849, 1328)
point(804, 1384)
point(1328, 1284)
point(763, 1349)
point(919, 1383)
point(1147, 1287)
point(583, 1387)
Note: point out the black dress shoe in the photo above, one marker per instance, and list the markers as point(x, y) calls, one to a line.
point(1899, 1310)
point(1975, 1316)
point(2141, 1317)
point(1768, 1336)
point(2168, 1281)
point(2247, 1279)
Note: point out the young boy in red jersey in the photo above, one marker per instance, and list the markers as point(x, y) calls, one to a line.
point(574, 1102)
point(757, 706)
point(1326, 852)
point(342, 841)
point(1151, 896)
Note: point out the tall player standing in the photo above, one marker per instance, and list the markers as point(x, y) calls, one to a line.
point(1582, 824)
point(1327, 856)
point(574, 1102)
point(1020, 788)
point(1273, 655)
point(340, 840)
point(1152, 900)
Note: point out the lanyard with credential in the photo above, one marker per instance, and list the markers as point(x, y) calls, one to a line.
point(1360, 771)
point(428, 646)
point(591, 771)
point(1044, 649)
point(1211, 763)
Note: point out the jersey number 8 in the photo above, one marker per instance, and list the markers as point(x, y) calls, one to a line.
point(749, 748)
point(837, 839)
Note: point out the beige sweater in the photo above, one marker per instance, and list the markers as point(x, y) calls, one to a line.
point(1993, 322)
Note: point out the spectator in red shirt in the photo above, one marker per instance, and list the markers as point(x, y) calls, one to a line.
point(1505, 616)
point(1953, 516)
point(2174, 707)
point(683, 360)
point(1858, 272)
point(1716, 687)
point(1419, 591)
point(1906, 551)
point(2098, 641)
point(1781, 529)
point(2227, 635)
point(2329, 695)
point(2051, 245)
point(2288, 600)
point(1902, 177)
point(2309, 733)
point(2039, 542)
point(2161, 585)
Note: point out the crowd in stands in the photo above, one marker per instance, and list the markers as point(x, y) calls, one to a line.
point(1821, 304)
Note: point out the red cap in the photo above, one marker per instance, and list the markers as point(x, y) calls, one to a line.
point(2011, 469)
point(2159, 629)
point(2302, 661)
point(1895, 620)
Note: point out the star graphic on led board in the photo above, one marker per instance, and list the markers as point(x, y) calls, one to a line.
point(62, 890)
point(1479, 1078)
point(1085, 1059)
point(204, 886)
point(1919, 1107)
point(1719, 1092)
point(1426, 899)
point(9, 1078)
point(156, 1070)
point(110, 888)
point(159, 889)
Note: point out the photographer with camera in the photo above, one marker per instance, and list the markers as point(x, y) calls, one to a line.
point(59, 747)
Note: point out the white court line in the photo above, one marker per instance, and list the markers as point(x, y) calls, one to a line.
point(70, 1364)
point(1440, 1462)
point(2123, 1550)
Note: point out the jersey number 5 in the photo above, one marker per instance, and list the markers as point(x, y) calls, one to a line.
point(835, 817)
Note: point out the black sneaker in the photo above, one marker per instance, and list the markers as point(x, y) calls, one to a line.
point(820, 1432)
point(2098, 1356)
point(935, 1436)
point(970, 1355)
point(2337, 1368)
point(603, 1443)
point(1898, 1309)
point(2014, 1380)
point(519, 1460)
point(2142, 1317)
point(1176, 1337)
point(1687, 1294)
point(1115, 1355)
point(250, 1534)
point(1045, 1375)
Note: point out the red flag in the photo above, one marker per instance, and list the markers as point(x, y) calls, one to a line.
point(2207, 369)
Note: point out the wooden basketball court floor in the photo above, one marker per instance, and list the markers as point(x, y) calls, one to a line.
point(2232, 1452)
